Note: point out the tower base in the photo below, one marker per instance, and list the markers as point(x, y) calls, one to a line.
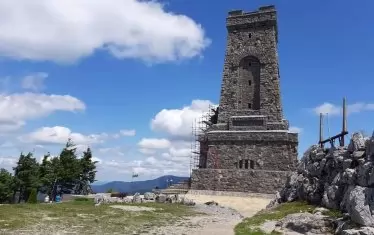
point(252, 181)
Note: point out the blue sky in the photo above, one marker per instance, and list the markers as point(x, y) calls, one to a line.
point(128, 77)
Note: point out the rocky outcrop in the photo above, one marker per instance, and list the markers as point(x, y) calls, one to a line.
point(339, 178)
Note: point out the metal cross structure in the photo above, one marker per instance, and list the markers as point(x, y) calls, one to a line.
point(340, 136)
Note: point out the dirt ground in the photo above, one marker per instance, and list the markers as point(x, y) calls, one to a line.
point(246, 206)
point(218, 221)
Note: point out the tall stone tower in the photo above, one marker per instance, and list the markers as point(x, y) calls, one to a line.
point(249, 148)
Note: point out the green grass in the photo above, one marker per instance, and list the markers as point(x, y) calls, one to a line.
point(82, 217)
point(249, 225)
point(333, 213)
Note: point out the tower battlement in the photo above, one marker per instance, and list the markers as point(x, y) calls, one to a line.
point(263, 16)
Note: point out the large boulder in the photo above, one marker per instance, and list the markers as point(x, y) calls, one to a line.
point(149, 196)
point(161, 198)
point(357, 142)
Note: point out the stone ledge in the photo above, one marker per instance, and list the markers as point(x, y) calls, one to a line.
point(253, 136)
point(230, 194)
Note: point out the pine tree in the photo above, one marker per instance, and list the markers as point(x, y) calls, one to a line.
point(6, 186)
point(87, 173)
point(33, 197)
point(26, 175)
point(48, 174)
point(68, 172)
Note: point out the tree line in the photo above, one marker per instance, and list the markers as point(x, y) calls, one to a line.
point(66, 173)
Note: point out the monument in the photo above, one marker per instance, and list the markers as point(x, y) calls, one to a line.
point(248, 147)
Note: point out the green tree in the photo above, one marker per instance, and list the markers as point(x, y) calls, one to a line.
point(68, 168)
point(33, 197)
point(48, 171)
point(87, 173)
point(26, 175)
point(6, 186)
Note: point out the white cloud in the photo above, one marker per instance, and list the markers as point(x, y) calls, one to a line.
point(295, 129)
point(150, 143)
point(127, 132)
point(178, 122)
point(146, 151)
point(334, 110)
point(65, 31)
point(164, 157)
point(15, 109)
point(60, 135)
point(114, 150)
point(34, 81)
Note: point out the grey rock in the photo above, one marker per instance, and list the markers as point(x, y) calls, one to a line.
point(347, 163)
point(306, 223)
point(369, 144)
point(361, 231)
point(357, 142)
point(357, 204)
point(149, 196)
point(136, 198)
point(358, 154)
point(210, 203)
point(161, 198)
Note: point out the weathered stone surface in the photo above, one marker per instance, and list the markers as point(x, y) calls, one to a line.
point(343, 178)
point(251, 134)
point(161, 198)
point(361, 231)
point(357, 142)
point(305, 223)
point(238, 180)
point(137, 198)
point(149, 196)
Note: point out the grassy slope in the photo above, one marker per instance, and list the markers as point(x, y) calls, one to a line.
point(83, 217)
point(248, 225)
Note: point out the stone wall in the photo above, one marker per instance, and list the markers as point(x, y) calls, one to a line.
point(238, 180)
point(281, 156)
point(340, 178)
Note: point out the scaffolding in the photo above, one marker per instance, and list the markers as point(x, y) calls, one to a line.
point(199, 126)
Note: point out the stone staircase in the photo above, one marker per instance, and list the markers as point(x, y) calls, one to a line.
point(179, 188)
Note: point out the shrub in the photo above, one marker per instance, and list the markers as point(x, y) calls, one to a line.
point(33, 196)
point(120, 195)
point(109, 190)
point(81, 199)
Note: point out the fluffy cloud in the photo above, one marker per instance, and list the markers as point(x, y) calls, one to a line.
point(127, 132)
point(15, 109)
point(178, 122)
point(59, 135)
point(34, 81)
point(114, 150)
point(334, 110)
point(154, 143)
point(65, 31)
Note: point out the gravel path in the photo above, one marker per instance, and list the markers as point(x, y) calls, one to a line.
point(218, 221)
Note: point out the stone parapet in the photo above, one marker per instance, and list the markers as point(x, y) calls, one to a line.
point(263, 14)
point(253, 181)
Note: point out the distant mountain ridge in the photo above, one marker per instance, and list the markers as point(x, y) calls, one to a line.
point(137, 186)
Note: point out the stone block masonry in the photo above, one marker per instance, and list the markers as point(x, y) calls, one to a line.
point(249, 149)
point(239, 180)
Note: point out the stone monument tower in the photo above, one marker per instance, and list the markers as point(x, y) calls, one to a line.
point(249, 148)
